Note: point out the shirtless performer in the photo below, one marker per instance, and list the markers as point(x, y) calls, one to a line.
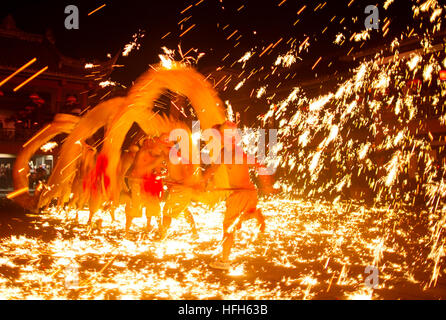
point(95, 183)
point(241, 204)
point(146, 186)
point(80, 193)
point(127, 159)
point(183, 181)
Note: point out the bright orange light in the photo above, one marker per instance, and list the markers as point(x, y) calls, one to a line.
point(17, 192)
point(187, 30)
point(30, 78)
point(18, 70)
point(35, 136)
point(97, 9)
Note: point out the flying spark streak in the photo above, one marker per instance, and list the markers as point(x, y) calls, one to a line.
point(187, 30)
point(71, 162)
point(184, 20)
point(99, 8)
point(17, 193)
point(386, 25)
point(215, 85)
point(18, 71)
point(232, 34)
point(186, 9)
point(303, 43)
point(316, 63)
point(180, 110)
point(35, 136)
point(30, 78)
point(279, 41)
point(165, 35)
point(267, 48)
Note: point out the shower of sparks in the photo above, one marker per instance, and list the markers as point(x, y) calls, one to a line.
point(135, 44)
point(328, 144)
point(310, 250)
point(346, 141)
point(286, 60)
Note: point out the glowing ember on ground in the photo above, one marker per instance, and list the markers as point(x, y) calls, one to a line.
point(309, 251)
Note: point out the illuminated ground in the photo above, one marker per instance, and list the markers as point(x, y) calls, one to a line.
point(309, 251)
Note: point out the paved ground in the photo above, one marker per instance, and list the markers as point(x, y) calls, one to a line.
point(309, 251)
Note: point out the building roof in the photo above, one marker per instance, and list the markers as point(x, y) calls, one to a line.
point(21, 47)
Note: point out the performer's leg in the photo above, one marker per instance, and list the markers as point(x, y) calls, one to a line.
point(159, 224)
point(82, 199)
point(148, 222)
point(94, 205)
point(112, 213)
point(64, 197)
point(72, 203)
point(128, 217)
point(228, 241)
point(236, 204)
point(135, 207)
point(177, 201)
point(110, 207)
point(260, 220)
point(190, 219)
point(126, 198)
point(254, 214)
point(153, 209)
point(165, 226)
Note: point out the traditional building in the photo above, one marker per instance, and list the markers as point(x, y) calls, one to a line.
point(66, 85)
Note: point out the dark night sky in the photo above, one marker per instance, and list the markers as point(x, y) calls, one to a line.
point(109, 29)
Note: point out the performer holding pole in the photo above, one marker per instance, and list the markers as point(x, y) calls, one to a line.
point(183, 184)
point(241, 204)
point(146, 186)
